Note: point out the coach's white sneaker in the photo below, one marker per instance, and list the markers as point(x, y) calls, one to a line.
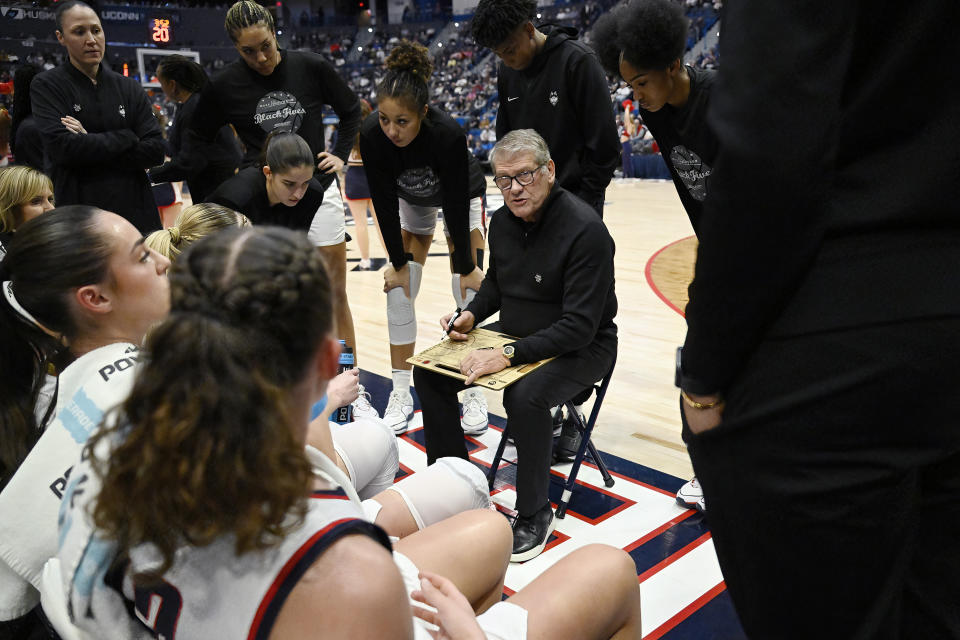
point(474, 421)
point(398, 411)
point(690, 495)
point(362, 407)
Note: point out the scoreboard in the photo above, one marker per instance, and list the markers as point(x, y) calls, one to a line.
point(160, 30)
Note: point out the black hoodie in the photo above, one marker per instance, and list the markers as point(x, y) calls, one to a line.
point(563, 94)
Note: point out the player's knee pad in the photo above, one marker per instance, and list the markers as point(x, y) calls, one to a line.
point(447, 487)
point(368, 448)
point(462, 301)
point(401, 318)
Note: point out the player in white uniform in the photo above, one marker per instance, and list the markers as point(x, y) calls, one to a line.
point(265, 559)
point(46, 293)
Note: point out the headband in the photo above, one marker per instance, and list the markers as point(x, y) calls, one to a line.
point(12, 300)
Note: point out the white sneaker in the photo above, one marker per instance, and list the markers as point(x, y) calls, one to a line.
point(474, 421)
point(690, 495)
point(398, 411)
point(362, 407)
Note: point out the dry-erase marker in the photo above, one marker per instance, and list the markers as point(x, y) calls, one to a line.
point(456, 314)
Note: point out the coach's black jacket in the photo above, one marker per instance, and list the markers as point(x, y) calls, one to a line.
point(563, 94)
point(552, 280)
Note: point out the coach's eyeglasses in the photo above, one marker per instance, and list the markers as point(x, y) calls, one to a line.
point(523, 179)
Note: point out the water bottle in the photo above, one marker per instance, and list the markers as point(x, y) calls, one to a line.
point(344, 414)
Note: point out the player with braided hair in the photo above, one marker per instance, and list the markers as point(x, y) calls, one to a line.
point(243, 515)
point(417, 161)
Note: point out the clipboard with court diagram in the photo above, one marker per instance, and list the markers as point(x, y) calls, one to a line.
point(445, 356)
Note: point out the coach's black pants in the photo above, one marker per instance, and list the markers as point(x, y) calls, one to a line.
point(527, 402)
point(833, 484)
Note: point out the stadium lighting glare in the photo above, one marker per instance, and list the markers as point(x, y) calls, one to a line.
point(456, 24)
point(369, 29)
point(359, 48)
point(439, 44)
point(538, 16)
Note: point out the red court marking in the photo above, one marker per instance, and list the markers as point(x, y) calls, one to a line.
point(686, 612)
point(672, 557)
point(653, 534)
point(647, 272)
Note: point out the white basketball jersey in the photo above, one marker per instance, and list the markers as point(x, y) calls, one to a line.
point(210, 592)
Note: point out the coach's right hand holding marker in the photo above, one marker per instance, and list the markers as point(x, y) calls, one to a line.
point(461, 326)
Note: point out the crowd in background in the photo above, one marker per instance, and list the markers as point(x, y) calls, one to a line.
point(464, 77)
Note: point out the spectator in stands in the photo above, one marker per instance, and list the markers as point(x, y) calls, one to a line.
point(26, 141)
point(417, 161)
point(551, 82)
point(270, 89)
point(203, 166)
point(264, 299)
point(25, 193)
point(99, 131)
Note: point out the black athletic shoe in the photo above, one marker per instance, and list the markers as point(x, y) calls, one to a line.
point(569, 442)
point(530, 534)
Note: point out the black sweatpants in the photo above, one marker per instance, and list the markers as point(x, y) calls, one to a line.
point(833, 484)
point(527, 402)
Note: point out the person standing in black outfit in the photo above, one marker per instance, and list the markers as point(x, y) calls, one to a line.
point(551, 278)
point(270, 89)
point(643, 42)
point(100, 133)
point(26, 140)
point(204, 167)
point(551, 82)
point(417, 161)
point(820, 364)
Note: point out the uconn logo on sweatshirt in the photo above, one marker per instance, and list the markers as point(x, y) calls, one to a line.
point(279, 110)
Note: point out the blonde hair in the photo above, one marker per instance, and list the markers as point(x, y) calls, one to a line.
point(193, 223)
point(18, 185)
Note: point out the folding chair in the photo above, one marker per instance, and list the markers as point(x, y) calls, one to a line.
point(586, 445)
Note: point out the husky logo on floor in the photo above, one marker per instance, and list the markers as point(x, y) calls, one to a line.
point(692, 170)
point(279, 110)
point(554, 98)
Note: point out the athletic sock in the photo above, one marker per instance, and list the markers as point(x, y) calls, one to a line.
point(401, 380)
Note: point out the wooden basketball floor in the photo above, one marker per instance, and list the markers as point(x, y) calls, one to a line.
point(640, 416)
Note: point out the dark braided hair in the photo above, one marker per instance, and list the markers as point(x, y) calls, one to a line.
point(207, 419)
point(247, 13)
point(185, 72)
point(408, 74)
point(495, 20)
